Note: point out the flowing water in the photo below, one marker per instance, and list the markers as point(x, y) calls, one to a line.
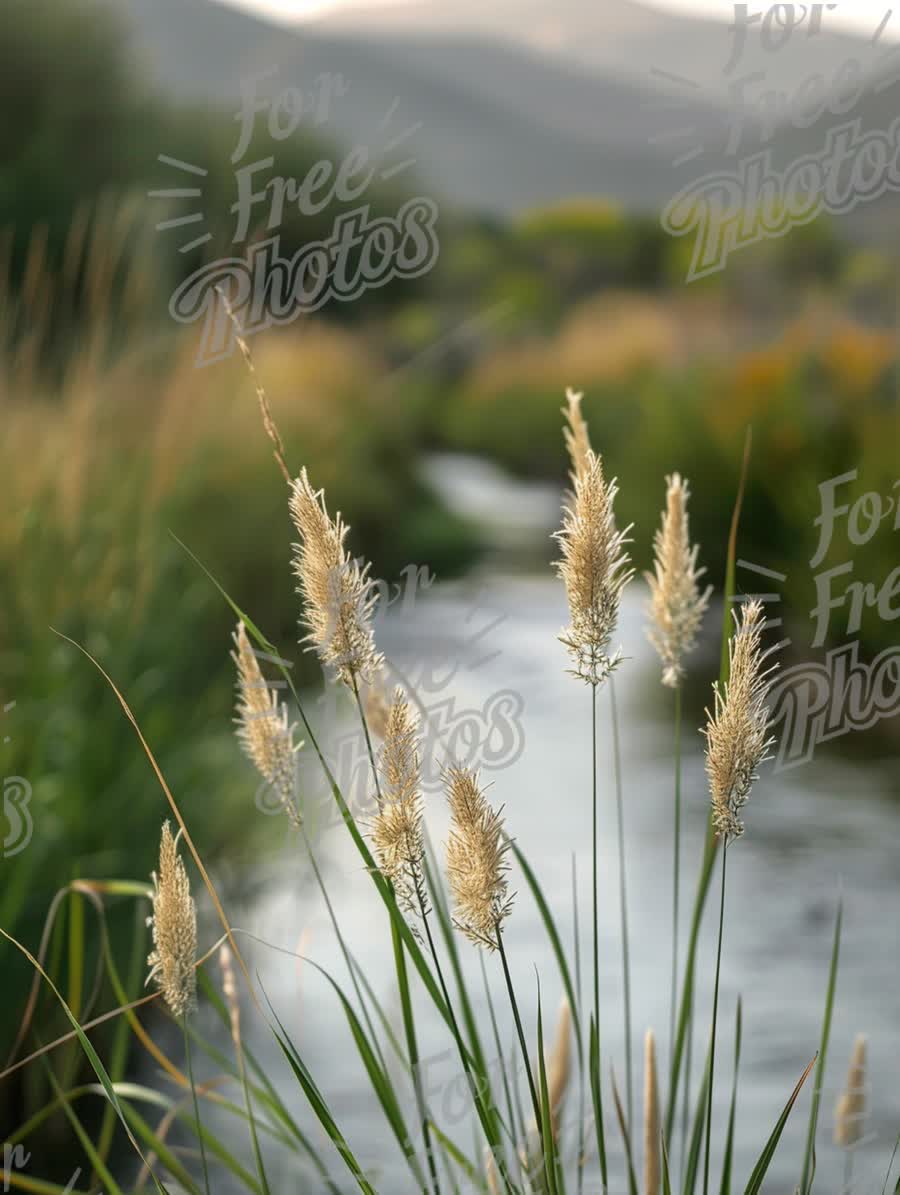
point(486, 664)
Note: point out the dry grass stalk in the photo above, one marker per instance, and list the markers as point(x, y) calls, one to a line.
point(263, 730)
point(338, 594)
point(271, 428)
point(397, 827)
point(594, 569)
point(174, 929)
point(476, 860)
point(850, 1115)
point(578, 442)
point(676, 604)
point(651, 1118)
point(736, 732)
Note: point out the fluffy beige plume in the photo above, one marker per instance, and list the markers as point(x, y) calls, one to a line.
point(594, 569)
point(736, 733)
point(338, 594)
point(559, 1069)
point(476, 860)
point(578, 442)
point(229, 991)
point(173, 927)
point(651, 1118)
point(850, 1115)
point(262, 724)
point(676, 603)
point(397, 825)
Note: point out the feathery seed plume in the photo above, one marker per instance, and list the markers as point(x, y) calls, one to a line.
point(476, 860)
point(578, 442)
point(397, 826)
point(338, 594)
point(594, 569)
point(651, 1118)
point(736, 732)
point(676, 603)
point(262, 725)
point(850, 1114)
point(174, 929)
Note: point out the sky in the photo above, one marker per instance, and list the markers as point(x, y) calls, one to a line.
point(860, 16)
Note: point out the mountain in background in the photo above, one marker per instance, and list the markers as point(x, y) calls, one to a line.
point(622, 101)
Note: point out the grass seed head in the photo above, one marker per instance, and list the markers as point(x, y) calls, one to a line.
point(396, 833)
point(677, 605)
point(263, 730)
point(595, 569)
point(737, 740)
point(173, 927)
point(338, 594)
point(476, 860)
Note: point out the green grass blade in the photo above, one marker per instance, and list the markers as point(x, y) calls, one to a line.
point(87, 1145)
point(409, 1028)
point(666, 1179)
point(696, 1143)
point(548, 1137)
point(555, 941)
point(626, 1138)
point(318, 1104)
point(759, 1170)
point(725, 1188)
point(596, 1087)
point(380, 1081)
point(806, 1181)
point(92, 1056)
point(887, 1177)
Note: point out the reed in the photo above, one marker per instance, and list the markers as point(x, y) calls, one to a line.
point(408, 889)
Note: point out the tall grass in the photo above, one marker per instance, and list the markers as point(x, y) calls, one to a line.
point(521, 1145)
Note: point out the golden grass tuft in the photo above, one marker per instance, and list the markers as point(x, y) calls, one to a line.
point(397, 834)
point(263, 730)
point(173, 927)
point(676, 604)
point(594, 569)
point(476, 860)
point(736, 731)
point(338, 594)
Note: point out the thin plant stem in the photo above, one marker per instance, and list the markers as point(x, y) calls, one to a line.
point(676, 864)
point(581, 1093)
point(496, 1151)
point(523, 1045)
point(848, 1172)
point(190, 1066)
point(715, 1010)
point(686, 1106)
point(594, 853)
point(623, 903)
point(343, 945)
point(400, 961)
